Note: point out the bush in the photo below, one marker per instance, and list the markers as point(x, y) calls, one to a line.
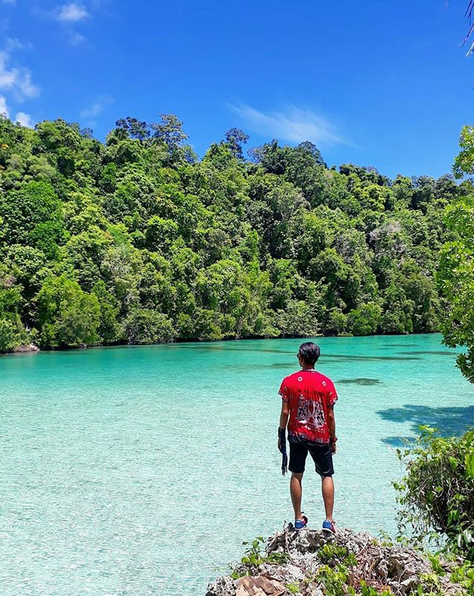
point(365, 319)
point(67, 315)
point(145, 326)
point(298, 320)
point(9, 336)
point(437, 492)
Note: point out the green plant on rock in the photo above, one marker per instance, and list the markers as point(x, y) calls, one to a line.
point(336, 554)
point(446, 565)
point(367, 590)
point(338, 581)
point(334, 581)
point(254, 557)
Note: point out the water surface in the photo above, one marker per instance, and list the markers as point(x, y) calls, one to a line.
point(139, 471)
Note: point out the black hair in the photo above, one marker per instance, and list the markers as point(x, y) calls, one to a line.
point(309, 352)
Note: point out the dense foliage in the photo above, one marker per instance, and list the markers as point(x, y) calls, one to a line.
point(136, 240)
point(437, 492)
point(456, 271)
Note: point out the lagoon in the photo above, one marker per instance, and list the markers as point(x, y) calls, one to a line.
point(140, 470)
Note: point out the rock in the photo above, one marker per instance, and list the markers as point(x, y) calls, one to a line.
point(223, 586)
point(399, 569)
point(25, 349)
point(259, 586)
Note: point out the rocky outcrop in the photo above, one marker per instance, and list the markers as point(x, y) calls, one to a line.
point(25, 349)
point(312, 562)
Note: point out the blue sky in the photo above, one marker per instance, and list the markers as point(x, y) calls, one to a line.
point(375, 83)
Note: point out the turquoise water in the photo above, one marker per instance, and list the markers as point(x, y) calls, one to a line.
point(139, 471)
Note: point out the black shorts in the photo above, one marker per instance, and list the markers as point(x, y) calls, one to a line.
point(321, 454)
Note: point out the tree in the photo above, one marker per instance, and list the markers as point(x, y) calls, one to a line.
point(297, 320)
point(456, 269)
point(100, 242)
point(468, 15)
point(109, 330)
point(235, 138)
point(9, 336)
point(464, 162)
point(134, 128)
point(22, 210)
point(311, 149)
point(365, 319)
point(145, 326)
point(67, 316)
point(170, 131)
point(12, 331)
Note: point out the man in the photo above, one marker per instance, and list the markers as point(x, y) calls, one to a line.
point(308, 399)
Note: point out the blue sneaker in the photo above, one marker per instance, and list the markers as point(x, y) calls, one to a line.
point(329, 526)
point(301, 523)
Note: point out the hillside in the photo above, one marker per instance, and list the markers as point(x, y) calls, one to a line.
point(136, 240)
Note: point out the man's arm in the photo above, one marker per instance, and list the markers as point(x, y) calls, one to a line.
point(285, 412)
point(332, 427)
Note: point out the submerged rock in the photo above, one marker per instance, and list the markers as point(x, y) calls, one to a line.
point(304, 562)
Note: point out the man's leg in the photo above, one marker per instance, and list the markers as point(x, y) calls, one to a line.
point(296, 492)
point(298, 453)
point(328, 496)
point(322, 457)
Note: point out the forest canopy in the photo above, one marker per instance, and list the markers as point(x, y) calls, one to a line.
point(137, 240)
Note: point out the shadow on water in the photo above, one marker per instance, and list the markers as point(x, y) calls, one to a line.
point(432, 352)
point(247, 367)
point(449, 421)
point(359, 381)
point(398, 442)
point(208, 347)
point(367, 358)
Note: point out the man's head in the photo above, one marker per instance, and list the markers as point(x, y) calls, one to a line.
point(308, 353)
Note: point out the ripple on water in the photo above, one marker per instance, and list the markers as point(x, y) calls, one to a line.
point(432, 352)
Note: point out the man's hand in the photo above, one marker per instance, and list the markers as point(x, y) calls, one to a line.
point(333, 445)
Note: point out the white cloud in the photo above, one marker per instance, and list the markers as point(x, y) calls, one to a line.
point(17, 80)
point(292, 124)
point(76, 39)
point(10, 2)
point(25, 85)
point(97, 107)
point(13, 43)
point(3, 106)
point(72, 13)
point(25, 120)
point(21, 117)
point(69, 15)
point(8, 78)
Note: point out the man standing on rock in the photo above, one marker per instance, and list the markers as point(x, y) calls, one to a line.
point(308, 399)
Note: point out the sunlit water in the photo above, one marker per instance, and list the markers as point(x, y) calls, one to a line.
point(140, 471)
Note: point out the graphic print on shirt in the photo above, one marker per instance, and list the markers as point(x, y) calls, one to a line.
point(310, 413)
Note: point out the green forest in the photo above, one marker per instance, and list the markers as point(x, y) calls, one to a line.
point(137, 240)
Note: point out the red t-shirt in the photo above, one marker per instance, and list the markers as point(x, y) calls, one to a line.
point(309, 394)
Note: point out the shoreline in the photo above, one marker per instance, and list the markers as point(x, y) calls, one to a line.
point(34, 349)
